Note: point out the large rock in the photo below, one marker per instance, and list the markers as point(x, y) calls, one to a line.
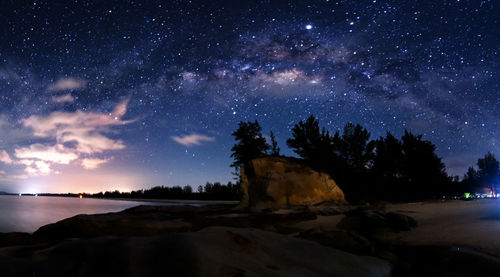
point(274, 182)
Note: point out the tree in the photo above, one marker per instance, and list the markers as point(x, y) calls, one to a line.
point(275, 150)
point(309, 143)
point(423, 171)
point(250, 144)
point(354, 147)
point(488, 171)
point(386, 167)
point(388, 155)
point(470, 181)
point(187, 190)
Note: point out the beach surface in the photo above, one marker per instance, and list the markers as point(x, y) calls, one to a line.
point(473, 224)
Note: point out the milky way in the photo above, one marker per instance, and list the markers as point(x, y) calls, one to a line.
point(124, 95)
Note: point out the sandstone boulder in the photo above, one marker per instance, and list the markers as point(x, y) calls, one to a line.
point(275, 182)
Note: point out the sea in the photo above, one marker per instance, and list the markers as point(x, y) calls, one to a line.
point(28, 213)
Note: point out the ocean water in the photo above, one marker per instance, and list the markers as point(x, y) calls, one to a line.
point(28, 213)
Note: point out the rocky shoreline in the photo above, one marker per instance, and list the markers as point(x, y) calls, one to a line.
point(328, 239)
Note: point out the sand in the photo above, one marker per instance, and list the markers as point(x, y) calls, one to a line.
point(472, 224)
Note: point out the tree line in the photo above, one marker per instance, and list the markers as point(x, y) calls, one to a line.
point(210, 191)
point(386, 168)
point(486, 175)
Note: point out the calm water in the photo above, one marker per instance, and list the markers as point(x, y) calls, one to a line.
point(28, 213)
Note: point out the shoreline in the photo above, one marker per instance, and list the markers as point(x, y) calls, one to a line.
point(150, 200)
point(180, 201)
point(376, 238)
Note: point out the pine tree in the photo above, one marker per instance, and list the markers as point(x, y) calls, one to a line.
point(250, 144)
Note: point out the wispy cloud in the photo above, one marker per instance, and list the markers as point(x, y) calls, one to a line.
point(38, 168)
point(4, 157)
point(67, 84)
point(84, 129)
point(76, 134)
point(94, 163)
point(65, 98)
point(55, 154)
point(192, 139)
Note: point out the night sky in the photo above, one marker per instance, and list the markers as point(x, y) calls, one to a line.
point(124, 95)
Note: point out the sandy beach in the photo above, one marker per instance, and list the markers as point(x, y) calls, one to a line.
point(472, 224)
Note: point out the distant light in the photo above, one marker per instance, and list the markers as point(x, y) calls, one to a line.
point(309, 26)
point(80, 196)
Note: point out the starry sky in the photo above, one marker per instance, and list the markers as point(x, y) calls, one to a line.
point(104, 95)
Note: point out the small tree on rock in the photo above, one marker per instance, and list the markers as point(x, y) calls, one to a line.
point(311, 144)
point(275, 150)
point(250, 144)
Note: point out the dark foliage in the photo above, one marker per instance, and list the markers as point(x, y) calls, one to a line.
point(275, 150)
point(250, 143)
point(383, 169)
point(211, 191)
point(486, 176)
point(316, 147)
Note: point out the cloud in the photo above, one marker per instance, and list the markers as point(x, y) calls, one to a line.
point(90, 142)
point(11, 134)
point(4, 157)
point(75, 134)
point(38, 168)
point(58, 123)
point(83, 129)
point(55, 154)
point(94, 163)
point(193, 139)
point(67, 84)
point(65, 98)
point(120, 109)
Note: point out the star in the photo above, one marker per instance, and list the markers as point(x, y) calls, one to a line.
point(195, 72)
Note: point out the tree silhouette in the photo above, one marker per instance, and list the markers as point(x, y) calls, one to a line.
point(386, 167)
point(313, 146)
point(345, 157)
point(388, 157)
point(488, 171)
point(275, 150)
point(250, 143)
point(470, 182)
point(354, 147)
point(423, 170)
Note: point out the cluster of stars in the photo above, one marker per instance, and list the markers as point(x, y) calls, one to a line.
point(198, 68)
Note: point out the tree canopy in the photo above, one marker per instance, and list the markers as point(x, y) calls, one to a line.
point(387, 168)
point(250, 143)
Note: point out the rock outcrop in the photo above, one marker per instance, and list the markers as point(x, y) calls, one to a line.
point(213, 251)
point(275, 182)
